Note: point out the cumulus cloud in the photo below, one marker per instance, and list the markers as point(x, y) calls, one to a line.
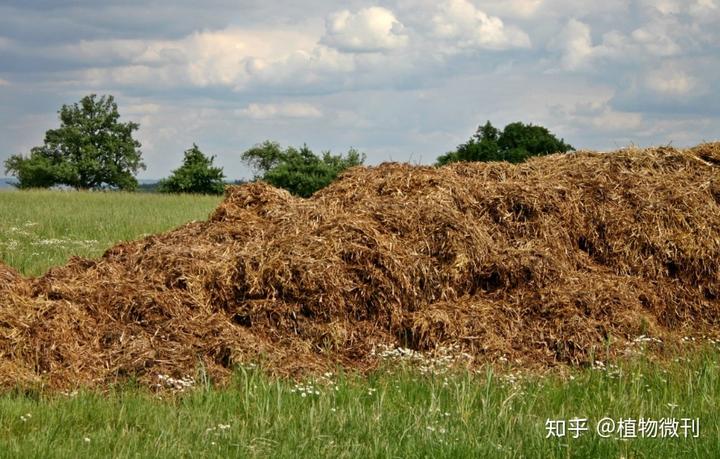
point(317, 68)
point(285, 110)
point(368, 30)
point(460, 22)
point(671, 27)
point(225, 57)
point(678, 7)
point(577, 50)
point(575, 43)
point(656, 38)
point(238, 59)
point(664, 6)
point(600, 116)
point(705, 8)
point(670, 80)
point(521, 8)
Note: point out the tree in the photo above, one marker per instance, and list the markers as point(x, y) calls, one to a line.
point(520, 141)
point(196, 175)
point(516, 143)
point(90, 149)
point(300, 171)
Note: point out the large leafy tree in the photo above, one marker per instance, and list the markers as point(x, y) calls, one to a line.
point(298, 170)
point(515, 143)
point(90, 149)
point(196, 175)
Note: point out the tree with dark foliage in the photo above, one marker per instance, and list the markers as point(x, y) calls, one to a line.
point(196, 175)
point(516, 143)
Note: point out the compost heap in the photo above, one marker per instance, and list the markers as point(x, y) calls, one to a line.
point(550, 261)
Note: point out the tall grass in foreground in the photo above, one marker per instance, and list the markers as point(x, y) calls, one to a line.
point(40, 229)
point(397, 413)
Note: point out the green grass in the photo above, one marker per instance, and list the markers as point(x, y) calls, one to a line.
point(40, 229)
point(391, 413)
point(395, 412)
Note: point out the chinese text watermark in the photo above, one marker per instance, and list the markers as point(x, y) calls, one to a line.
point(624, 427)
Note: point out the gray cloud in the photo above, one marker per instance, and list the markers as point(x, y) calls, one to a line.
point(399, 79)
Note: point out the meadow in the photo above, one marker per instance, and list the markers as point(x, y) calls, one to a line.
point(40, 229)
point(400, 410)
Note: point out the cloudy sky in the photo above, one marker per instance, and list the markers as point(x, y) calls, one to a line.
point(402, 80)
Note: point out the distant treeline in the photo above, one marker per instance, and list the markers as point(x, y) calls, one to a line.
point(92, 149)
point(154, 186)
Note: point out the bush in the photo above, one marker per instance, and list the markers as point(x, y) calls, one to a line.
point(196, 175)
point(300, 171)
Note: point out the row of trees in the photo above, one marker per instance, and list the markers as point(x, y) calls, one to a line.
point(92, 149)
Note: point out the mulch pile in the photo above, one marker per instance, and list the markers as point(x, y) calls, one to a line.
point(550, 261)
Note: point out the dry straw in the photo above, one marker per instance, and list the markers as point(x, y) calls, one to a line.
point(550, 261)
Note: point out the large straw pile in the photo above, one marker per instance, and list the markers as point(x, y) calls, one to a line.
point(548, 261)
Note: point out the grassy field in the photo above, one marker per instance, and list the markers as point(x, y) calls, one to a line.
point(40, 229)
point(392, 413)
point(398, 411)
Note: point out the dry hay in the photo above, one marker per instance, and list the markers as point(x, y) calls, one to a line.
point(10, 280)
point(547, 262)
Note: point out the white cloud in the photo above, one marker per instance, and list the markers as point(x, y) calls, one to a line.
point(239, 59)
point(665, 6)
point(704, 7)
point(672, 26)
point(675, 7)
point(670, 81)
point(223, 57)
point(369, 30)
point(461, 22)
point(575, 42)
point(578, 52)
point(607, 119)
point(286, 110)
point(597, 114)
point(576, 47)
point(523, 8)
point(656, 38)
point(303, 68)
point(4, 82)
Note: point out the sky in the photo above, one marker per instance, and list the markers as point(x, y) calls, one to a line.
point(399, 80)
